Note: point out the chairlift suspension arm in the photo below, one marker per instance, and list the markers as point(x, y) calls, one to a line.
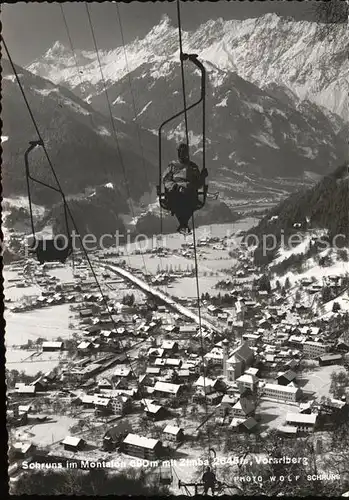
point(32, 146)
point(182, 72)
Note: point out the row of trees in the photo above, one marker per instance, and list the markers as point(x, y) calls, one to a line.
point(170, 268)
point(287, 284)
point(32, 344)
point(219, 299)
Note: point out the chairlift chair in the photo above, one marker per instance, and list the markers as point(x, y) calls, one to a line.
point(202, 192)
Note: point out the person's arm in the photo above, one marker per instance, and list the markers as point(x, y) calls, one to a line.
point(198, 178)
point(168, 178)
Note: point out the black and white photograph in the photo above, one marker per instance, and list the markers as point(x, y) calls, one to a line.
point(175, 247)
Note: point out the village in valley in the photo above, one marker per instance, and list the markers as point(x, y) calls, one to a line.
point(137, 373)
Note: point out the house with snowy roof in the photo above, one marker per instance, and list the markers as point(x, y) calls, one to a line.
point(142, 447)
point(173, 433)
point(240, 359)
point(247, 381)
point(167, 389)
point(205, 385)
point(243, 424)
point(155, 412)
point(244, 407)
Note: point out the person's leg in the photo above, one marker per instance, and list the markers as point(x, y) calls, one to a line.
point(182, 213)
point(187, 209)
point(174, 205)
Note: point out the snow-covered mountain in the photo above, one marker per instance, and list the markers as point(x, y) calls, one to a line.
point(261, 123)
point(249, 130)
point(295, 56)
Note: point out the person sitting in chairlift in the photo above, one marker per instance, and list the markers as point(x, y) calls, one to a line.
point(182, 179)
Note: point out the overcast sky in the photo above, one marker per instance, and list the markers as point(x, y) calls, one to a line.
point(29, 29)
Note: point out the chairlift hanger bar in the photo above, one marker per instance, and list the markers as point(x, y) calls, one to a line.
point(193, 59)
point(32, 146)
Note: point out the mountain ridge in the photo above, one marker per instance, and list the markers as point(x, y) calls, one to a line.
point(263, 50)
point(248, 118)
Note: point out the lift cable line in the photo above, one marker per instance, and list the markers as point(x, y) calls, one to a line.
point(71, 215)
point(112, 120)
point(73, 51)
point(79, 72)
point(79, 76)
point(70, 42)
point(182, 58)
point(135, 112)
point(162, 195)
point(182, 73)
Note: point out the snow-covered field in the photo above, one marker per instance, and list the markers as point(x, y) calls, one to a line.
point(31, 362)
point(206, 263)
point(209, 259)
point(49, 323)
point(186, 287)
point(285, 253)
point(44, 434)
point(65, 274)
point(22, 202)
point(273, 413)
point(312, 269)
point(14, 293)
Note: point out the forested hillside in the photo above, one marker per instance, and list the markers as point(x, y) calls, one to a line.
point(324, 206)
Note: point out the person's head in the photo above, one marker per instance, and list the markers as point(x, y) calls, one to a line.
point(208, 469)
point(183, 152)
